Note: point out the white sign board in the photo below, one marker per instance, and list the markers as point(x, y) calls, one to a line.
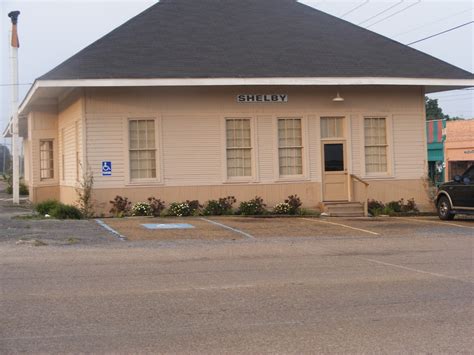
point(274, 98)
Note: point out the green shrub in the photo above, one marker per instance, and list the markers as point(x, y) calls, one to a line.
point(62, 211)
point(391, 208)
point(395, 206)
point(179, 209)
point(194, 207)
point(9, 190)
point(120, 206)
point(157, 206)
point(221, 207)
point(375, 207)
point(141, 209)
point(410, 206)
point(46, 207)
point(253, 207)
point(295, 204)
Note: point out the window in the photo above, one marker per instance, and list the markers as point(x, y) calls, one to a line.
point(63, 154)
point(459, 167)
point(78, 161)
point(142, 149)
point(290, 146)
point(375, 145)
point(239, 148)
point(332, 127)
point(46, 159)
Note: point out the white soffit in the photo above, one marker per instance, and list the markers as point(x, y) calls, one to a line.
point(432, 85)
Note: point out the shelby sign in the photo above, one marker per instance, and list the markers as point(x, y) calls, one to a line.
point(262, 98)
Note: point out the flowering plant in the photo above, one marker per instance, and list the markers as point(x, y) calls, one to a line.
point(252, 207)
point(282, 208)
point(179, 209)
point(141, 209)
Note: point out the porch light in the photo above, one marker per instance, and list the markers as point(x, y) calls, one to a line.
point(338, 98)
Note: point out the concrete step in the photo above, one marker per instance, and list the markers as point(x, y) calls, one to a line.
point(346, 214)
point(344, 209)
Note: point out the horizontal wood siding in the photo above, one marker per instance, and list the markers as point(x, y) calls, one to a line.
point(410, 152)
point(42, 125)
point(357, 144)
point(266, 148)
point(106, 147)
point(70, 128)
point(192, 150)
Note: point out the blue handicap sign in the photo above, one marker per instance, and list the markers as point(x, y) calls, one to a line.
point(106, 168)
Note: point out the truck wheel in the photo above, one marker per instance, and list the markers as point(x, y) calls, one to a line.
point(444, 209)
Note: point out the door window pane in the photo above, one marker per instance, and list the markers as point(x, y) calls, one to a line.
point(334, 157)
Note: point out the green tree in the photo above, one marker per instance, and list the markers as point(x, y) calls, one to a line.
point(433, 111)
point(5, 159)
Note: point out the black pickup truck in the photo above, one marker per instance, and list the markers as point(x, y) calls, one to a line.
point(457, 196)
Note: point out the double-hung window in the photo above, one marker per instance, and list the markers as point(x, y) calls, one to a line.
point(142, 149)
point(239, 147)
point(375, 130)
point(46, 159)
point(290, 146)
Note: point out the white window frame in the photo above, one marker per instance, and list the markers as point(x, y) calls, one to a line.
point(158, 150)
point(253, 150)
point(53, 168)
point(63, 155)
point(389, 145)
point(304, 150)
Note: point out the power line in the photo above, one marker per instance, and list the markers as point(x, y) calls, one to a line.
point(16, 84)
point(457, 99)
point(381, 12)
point(440, 33)
point(432, 22)
point(456, 95)
point(395, 13)
point(355, 8)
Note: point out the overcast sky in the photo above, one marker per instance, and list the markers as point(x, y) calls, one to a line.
point(52, 31)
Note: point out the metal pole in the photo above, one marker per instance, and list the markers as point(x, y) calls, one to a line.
point(15, 138)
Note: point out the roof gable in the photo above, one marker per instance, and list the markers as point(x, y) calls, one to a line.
point(246, 39)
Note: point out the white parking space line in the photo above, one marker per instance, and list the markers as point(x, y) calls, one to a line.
point(415, 270)
point(249, 236)
point(111, 230)
point(435, 222)
point(340, 225)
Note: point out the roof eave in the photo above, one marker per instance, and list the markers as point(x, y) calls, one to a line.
point(431, 84)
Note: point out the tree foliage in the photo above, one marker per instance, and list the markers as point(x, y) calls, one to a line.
point(433, 110)
point(5, 159)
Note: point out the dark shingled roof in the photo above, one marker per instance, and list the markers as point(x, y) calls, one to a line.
point(246, 39)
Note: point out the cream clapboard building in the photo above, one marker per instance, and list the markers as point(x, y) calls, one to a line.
point(204, 99)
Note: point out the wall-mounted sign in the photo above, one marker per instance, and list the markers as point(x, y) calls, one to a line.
point(469, 151)
point(106, 168)
point(262, 98)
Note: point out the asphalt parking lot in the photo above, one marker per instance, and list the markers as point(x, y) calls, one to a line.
point(233, 228)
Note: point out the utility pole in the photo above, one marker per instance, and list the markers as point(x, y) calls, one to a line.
point(15, 44)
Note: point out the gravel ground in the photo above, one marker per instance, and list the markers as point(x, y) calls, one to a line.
point(17, 228)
